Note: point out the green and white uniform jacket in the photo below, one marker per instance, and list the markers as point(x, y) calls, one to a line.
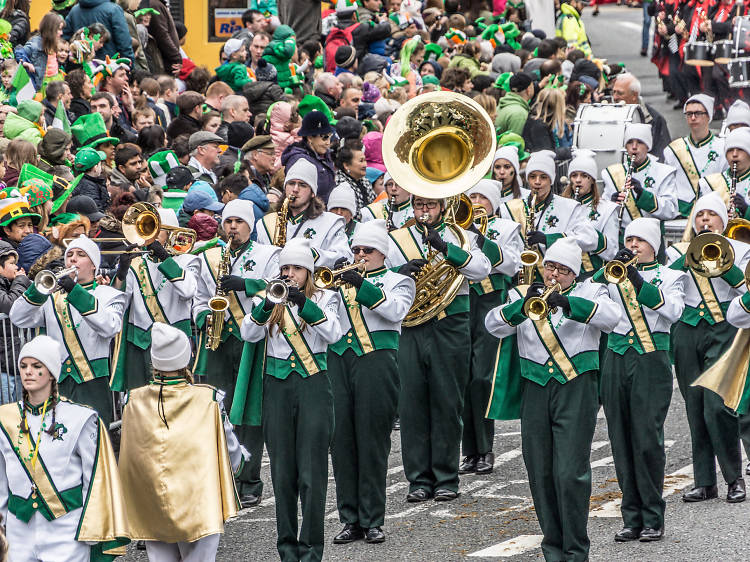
point(503, 248)
point(379, 210)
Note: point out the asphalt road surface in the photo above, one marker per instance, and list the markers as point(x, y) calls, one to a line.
point(494, 517)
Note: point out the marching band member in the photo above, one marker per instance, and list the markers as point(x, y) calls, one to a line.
point(363, 369)
point(159, 288)
point(700, 337)
point(307, 217)
point(297, 398)
point(602, 213)
point(434, 356)
point(737, 144)
point(198, 452)
point(397, 205)
point(250, 263)
point(696, 155)
point(636, 380)
point(559, 361)
point(502, 245)
point(554, 216)
point(651, 190)
point(342, 202)
point(84, 317)
point(60, 493)
point(506, 170)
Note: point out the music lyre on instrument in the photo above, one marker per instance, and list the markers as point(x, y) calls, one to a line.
point(628, 177)
point(530, 256)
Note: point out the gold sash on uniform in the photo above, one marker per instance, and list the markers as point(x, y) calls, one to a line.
point(213, 257)
point(407, 244)
point(705, 288)
point(357, 320)
point(617, 172)
point(147, 292)
point(550, 341)
point(718, 183)
point(70, 337)
point(517, 210)
point(298, 344)
point(685, 158)
point(636, 316)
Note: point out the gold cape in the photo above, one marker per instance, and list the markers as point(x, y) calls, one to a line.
point(178, 481)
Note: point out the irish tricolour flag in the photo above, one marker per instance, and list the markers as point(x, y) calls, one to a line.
point(22, 88)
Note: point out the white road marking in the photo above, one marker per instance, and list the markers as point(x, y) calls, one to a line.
point(411, 511)
point(631, 25)
point(511, 547)
point(606, 461)
point(395, 470)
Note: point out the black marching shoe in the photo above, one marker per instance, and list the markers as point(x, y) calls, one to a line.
point(350, 533)
point(375, 535)
point(649, 535)
point(468, 465)
point(627, 534)
point(444, 495)
point(701, 494)
point(485, 463)
point(249, 500)
point(736, 491)
point(418, 495)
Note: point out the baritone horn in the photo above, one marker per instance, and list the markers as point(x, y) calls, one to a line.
point(537, 308)
point(710, 255)
point(443, 144)
point(616, 271)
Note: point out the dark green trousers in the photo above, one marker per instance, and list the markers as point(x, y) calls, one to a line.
point(137, 366)
point(222, 368)
point(297, 427)
point(745, 433)
point(433, 364)
point(94, 393)
point(479, 432)
point(714, 432)
point(557, 427)
point(365, 398)
point(636, 391)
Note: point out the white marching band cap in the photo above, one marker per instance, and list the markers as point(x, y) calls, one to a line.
point(647, 229)
point(239, 209)
point(90, 248)
point(491, 189)
point(343, 196)
point(372, 234)
point(303, 170)
point(45, 350)
point(738, 114)
point(297, 252)
point(711, 202)
point(639, 131)
point(170, 348)
point(565, 251)
point(542, 161)
point(703, 99)
point(583, 161)
point(739, 138)
point(509, 152)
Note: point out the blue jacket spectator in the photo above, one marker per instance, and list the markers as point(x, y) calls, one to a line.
point(111, 16)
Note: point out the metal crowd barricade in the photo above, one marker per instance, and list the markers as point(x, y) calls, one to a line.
point(13, 339)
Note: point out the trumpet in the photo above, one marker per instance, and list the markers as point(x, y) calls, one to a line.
point(616, 271)
point(277, 290)
point(47, 282)
point(326, 278)
point(537, 308)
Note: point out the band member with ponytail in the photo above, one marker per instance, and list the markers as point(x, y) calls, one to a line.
point(699, 339)
point(559, 363)
point(364, 375)
point(198, 452)
point(434, 356)
point(636, 382)
point(506, 170)
point(601, 213)
point(397, 206)
point(59, 484)
point(84, 317)
point(297, 398)
point(502, 245)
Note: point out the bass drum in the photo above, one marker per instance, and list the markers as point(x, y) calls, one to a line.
point(741, 37)
point(739, 72)
point(723, 51)
point(699, 53)
point(601, 128)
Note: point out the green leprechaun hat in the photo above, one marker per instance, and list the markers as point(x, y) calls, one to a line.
point(90, 130)
point(60, 186)
point(14, 208)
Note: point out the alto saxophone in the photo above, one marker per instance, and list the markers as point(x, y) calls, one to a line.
point(218, 304)
point(282, 216)
point(530, 256)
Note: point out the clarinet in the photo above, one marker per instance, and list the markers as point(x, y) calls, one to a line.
point(628, 176)
point(732, 191)
point(389, 216)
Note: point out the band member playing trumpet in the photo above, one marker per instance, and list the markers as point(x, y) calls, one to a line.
point(553, 216)
point(397, 207)
point(434, 355)
point(502, 245)
point(602, 213)
point(697, 155)
point(733, 184)
point(700, 337)
point(307, 217)
point(636, 381)
point(506, 170)
point(83, 317)
point(559, 347)
point(364, 376)
point(297, 398)
point(160, 288)
point(645, 187)
point(249, 264)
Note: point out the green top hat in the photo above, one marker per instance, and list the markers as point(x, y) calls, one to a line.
point(89, 130)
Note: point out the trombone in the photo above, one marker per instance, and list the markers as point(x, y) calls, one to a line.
point(616, 271)
point(47, 282)
point(326, 278)
point(537, 308)
point(710, 255)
